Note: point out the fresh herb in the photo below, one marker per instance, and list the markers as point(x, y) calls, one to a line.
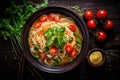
point(80, 10)
point(13, 19)
point(50, 40)
point(55, 36)
point(48, 33)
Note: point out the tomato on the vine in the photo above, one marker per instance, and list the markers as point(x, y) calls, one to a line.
point(108, 25)
point(88, 14)
point(102, 14)
point(101, 36)
point(91, 24)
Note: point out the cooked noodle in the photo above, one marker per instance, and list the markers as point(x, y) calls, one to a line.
point(37, 37)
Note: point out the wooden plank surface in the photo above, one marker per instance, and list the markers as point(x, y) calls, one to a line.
point(9, 67)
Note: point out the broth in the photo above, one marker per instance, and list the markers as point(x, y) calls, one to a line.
point(54, 39)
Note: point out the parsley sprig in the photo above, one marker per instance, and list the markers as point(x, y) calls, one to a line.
point(13, 20)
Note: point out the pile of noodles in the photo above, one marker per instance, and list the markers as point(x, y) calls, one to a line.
point(38, 39)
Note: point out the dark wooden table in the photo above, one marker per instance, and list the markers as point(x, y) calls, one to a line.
point(9, 66)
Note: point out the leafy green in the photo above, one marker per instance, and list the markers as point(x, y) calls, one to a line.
point(13, 18)
point(55, 36)
point(48, 33)
point(80, 10)
point(50, 40)
point(61, 31)
point(61, 41)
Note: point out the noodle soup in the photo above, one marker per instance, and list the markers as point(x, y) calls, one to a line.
point(54, 39)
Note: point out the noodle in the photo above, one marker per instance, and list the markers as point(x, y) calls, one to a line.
point(50, 52)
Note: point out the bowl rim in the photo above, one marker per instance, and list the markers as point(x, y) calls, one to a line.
point(58, 69)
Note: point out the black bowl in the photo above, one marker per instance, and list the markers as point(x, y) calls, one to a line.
point(79, 22)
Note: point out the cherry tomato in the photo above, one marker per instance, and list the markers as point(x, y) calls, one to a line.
point(91, 24)
point(42, 55)
point(54, 17)
point(88, 14)
point(74, 53)
point(57, 18)
point(68, 49)
point(51, 16)
point(102, 14)
point(37, 25)
point(101, 36)
point(53, 50)
point(72, 27)
point(43, 18)
point(108, 25)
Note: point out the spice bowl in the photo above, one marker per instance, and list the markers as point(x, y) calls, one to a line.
point(96, 57)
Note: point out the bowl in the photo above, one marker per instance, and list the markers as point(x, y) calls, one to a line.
point(96, 57)
point(78, 21)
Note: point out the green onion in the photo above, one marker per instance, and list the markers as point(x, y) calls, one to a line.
point(76, 34)
point(36, 47)
point(70, 39)
point(58, 60)
point(78, 43)
point(36, 57)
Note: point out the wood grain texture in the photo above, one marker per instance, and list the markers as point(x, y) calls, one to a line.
point(83, 71)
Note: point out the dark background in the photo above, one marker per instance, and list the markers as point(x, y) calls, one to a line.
point(9, 66)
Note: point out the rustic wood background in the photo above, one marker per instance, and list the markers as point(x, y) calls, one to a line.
point(110, 71)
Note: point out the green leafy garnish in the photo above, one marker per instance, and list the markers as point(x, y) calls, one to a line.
point(56, 36)
point(13, 19)
point(50, 40)
point(80, 10)
point(48, 33)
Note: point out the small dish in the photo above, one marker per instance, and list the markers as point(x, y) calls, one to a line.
point(96, 57)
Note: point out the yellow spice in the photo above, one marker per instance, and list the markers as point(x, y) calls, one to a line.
point(96, 57)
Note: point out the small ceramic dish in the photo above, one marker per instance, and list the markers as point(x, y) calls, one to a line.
point(96, 57)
